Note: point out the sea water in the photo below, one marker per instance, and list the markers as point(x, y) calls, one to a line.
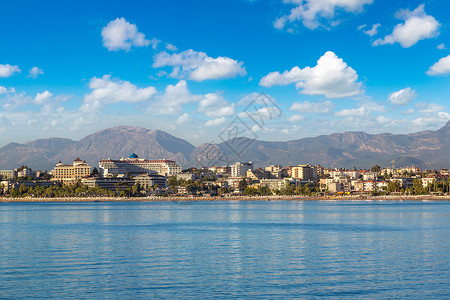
point(225, 249)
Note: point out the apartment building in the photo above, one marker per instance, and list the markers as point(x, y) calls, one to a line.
point(69, 174)
point(240, 169)
point(304, 172)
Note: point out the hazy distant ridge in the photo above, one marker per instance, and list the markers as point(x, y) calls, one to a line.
point(349, 149)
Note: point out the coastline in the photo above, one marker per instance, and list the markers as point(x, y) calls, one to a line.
point(234, 198)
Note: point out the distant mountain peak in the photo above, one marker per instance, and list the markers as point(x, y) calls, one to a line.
point(347, 149)
point(125, 128)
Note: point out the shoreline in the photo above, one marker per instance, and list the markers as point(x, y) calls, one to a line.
point(233, 198)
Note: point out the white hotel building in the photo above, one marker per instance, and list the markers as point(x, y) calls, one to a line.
point(240, 169)
point(136, 166)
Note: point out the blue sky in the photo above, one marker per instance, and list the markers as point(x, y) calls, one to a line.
point(191, 67)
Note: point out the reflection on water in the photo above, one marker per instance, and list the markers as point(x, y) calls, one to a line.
point(276, 249)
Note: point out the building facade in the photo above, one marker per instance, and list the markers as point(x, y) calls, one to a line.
point(304, 172)
point(276, 171)
point(134, 165)
point(69, 174)
point(276, 184)
point(240, 169)
point(258, 174)
point(220, 170)
point(150, 180)
point(25, 172)
point(109, 183)
point(8, 174)
point(12, 185)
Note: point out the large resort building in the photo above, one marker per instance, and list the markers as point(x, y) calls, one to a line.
point(69, 174)
point(134, 165)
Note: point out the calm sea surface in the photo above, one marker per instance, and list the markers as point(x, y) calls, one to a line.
point(252, 250)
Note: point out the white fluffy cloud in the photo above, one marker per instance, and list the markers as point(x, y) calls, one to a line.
point(432, 119)
point(15, 100)
point(331, 77)
point(441, 46)
point(173, 98)
point(402, 97)
point(312, 12)
point(408, 111)
point(106, 90)
point(441, 67)
point(4, 90)
point(364, 110)
point(258, 98)
point(40, 123)
point(8, 70)
point(371, 32)
point(262, 114)
point(198, 66)
point(122, 35)
point(295, 118)
point(311, 107)
point(418, 26)
point(429, 107)
point(42, 98)
point(214, 105)
point(171, 47)
point(34, 72)
point(184, 118)
point(216, 122)
point(352, 112)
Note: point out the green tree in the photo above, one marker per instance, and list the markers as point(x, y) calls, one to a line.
point(46, 176)
point(300, 190)
point(135, 189)
point(94, 172)
point(172, 182)
point(14, 193)
point(393, 186)
point(242, 184)
point(22, 189)
point(265, 191)
point(250, 191)
point(418, 187)
point(376, 168)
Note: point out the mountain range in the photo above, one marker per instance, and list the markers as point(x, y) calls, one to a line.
point(429, 149)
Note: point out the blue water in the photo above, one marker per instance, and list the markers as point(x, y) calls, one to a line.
point(251, 250)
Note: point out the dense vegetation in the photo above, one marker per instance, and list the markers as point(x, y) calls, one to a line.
point(418, 188)
point(59, 190)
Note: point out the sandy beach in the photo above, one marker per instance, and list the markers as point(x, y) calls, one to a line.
point(234, 198)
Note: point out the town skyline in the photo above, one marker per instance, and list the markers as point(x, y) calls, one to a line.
point(141, 177)
point(361, 65)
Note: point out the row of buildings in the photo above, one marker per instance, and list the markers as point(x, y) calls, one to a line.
point(108, 168)
point(150, 173)
point(113, 174)
point(326, 180)
point(118, 174)
point(21, 172)
point(243, 174)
